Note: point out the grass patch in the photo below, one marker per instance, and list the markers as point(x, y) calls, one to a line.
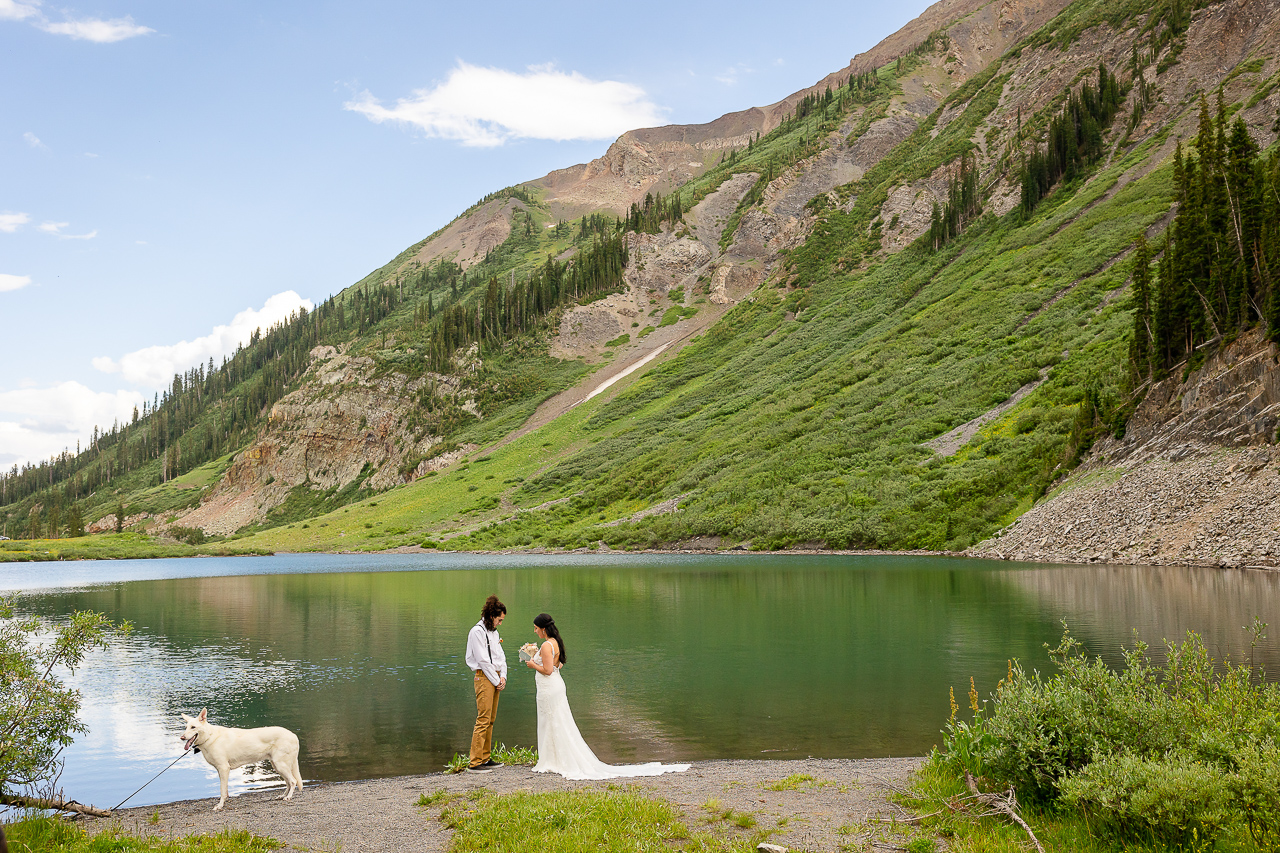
point(795, 781)
point(675, 314)
point(575, 822)
point(53, 835)
point(515, 755)
point(503, 754)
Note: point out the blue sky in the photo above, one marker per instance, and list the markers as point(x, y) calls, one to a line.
point(175, 174)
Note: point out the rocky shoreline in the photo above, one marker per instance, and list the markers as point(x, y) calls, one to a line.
point(1219, 508)
point(833, 807)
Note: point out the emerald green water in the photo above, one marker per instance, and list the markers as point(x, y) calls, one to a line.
point(669, 658)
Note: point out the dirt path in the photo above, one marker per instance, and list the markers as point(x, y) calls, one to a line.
point(830, 809)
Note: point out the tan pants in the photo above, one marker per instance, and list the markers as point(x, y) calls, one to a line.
point(486, 712)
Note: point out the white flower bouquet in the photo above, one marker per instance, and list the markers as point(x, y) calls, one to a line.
point(527, 651)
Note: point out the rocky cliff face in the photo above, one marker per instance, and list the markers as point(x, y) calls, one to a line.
point(1195, 480)
point(345, 424)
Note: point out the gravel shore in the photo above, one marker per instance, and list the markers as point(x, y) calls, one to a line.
point(380, 814)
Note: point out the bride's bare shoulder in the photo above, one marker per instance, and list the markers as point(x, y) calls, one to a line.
point(555, 651)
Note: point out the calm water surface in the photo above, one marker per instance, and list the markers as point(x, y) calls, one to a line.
point(670, 657)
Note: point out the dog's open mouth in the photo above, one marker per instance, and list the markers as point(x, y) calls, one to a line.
point(187, 743)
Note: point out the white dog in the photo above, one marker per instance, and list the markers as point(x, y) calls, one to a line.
point(227, 748)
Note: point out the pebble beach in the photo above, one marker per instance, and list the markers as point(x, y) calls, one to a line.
point(380, 815)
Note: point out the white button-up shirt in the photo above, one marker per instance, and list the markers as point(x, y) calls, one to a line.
point(484, 653)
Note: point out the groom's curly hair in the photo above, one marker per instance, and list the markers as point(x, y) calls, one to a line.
point(492, 607)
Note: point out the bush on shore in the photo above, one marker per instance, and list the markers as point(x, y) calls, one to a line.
point(1177, 754)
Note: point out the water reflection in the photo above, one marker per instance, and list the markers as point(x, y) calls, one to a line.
point(1161, 603)
point(670, 658)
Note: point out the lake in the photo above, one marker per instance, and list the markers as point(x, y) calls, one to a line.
point(670, 657)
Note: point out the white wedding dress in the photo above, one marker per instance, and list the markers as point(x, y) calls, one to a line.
point(561, 748)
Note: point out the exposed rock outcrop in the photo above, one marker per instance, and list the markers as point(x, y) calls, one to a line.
point(345, 423)
point(467, 239)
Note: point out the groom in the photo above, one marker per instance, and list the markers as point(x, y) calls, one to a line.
point(486, 659)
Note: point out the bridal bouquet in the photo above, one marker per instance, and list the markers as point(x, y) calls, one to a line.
point(527, 651)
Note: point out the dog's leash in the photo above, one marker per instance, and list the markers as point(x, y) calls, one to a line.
point(154, 778)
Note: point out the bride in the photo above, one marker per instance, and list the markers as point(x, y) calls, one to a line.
point(561, 748)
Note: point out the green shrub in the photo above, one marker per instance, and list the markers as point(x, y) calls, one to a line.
point(1174, 801)
point(1042, 732)
point(1255, 788)
point(190, 535)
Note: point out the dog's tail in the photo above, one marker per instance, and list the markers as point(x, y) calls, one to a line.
point(297, 774)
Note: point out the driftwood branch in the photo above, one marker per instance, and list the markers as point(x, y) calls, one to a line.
point(57, 805)
point(1003, 804)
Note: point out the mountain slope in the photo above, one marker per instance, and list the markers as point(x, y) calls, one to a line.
point(862, 277)
point(799, 417)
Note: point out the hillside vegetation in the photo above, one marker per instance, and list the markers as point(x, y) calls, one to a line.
point(1003, 197)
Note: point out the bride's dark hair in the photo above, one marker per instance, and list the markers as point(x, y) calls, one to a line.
point(546, 623)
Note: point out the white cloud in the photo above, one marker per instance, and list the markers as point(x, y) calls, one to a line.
point(96, 30)
point(83, 29)
point(55, 228)
point(13, 282)
point(36, 423)
point(13, 11)
point(34, 141)
point(9, 222)
point(488, 106)
point(154, 367)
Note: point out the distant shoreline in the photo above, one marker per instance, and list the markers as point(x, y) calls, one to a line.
point(85, 548)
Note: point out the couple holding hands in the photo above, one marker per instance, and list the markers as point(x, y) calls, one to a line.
point(561, 748)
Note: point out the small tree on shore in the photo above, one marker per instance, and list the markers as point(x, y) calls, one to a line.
point(38, 713)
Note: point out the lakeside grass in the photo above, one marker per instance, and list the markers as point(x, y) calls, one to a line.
point(53, 835)
point(117, 546)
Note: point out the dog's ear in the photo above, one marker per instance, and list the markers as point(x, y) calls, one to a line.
point(203, 714)
point(185, 717)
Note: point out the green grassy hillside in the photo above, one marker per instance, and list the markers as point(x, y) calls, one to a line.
point(785, 431)
point(799, 417)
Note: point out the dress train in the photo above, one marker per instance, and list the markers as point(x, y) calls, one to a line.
point(561, 748)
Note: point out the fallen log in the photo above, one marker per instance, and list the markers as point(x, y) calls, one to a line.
point(56, 805)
